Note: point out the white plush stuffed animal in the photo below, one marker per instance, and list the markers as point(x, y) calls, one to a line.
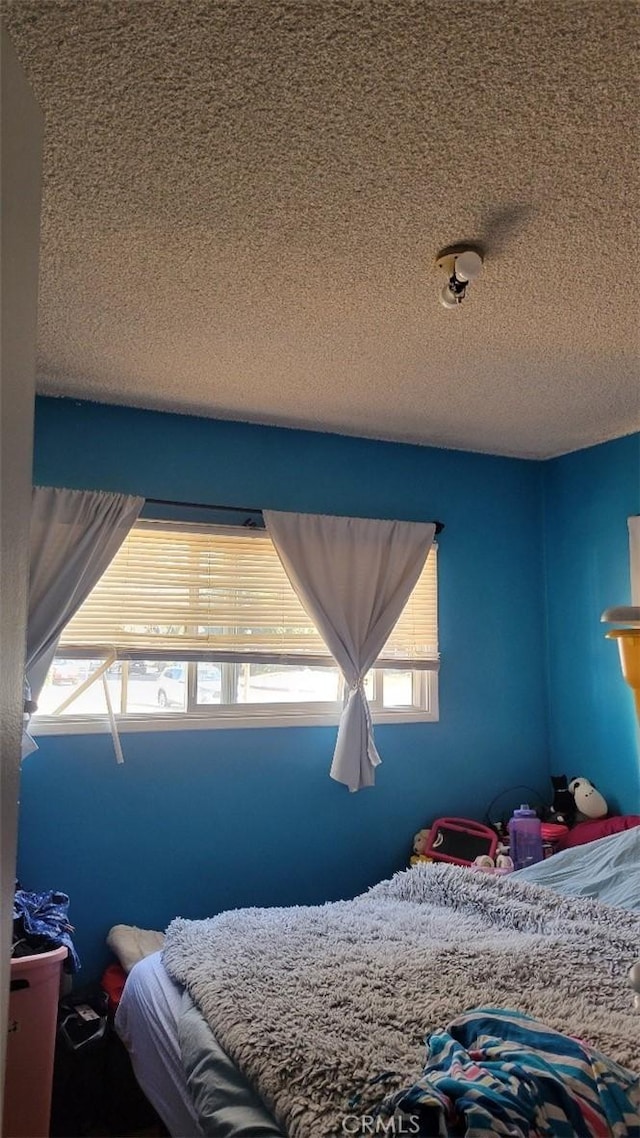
point(589, 801)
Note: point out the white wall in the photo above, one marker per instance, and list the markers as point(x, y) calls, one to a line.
point(22, 129)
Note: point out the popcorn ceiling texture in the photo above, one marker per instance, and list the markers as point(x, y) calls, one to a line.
point(243, 202)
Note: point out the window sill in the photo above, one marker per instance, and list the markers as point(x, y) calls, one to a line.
point(79, 725)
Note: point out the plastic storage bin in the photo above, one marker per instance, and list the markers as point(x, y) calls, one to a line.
point(33, 1011)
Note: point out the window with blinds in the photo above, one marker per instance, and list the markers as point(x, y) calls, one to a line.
point(198, 625)
point(186, 592)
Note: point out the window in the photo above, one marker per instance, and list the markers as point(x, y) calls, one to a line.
point(200, 623)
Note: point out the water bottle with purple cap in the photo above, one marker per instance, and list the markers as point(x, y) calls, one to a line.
point(525, 837)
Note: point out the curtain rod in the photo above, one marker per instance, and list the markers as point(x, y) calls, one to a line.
point(228, 509)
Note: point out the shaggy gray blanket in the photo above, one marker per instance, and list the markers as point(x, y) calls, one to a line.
point(311, 1003)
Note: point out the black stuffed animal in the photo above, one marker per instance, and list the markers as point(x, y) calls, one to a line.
point(563, 807)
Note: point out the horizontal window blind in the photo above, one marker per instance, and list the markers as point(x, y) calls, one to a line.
point(175, 591)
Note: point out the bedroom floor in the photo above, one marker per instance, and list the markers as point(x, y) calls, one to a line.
point(75, 1127)
point(95, 1095)
point(157, 1131)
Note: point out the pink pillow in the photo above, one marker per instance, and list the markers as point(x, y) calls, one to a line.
point(585, 832)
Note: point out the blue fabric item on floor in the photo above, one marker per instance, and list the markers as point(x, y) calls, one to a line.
point(41, 923)
point(496, 1072)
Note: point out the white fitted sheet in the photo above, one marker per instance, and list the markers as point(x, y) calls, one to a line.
point(147, 1023)
point(150, 1021)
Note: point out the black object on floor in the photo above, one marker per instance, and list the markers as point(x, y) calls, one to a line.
point(94, 1087)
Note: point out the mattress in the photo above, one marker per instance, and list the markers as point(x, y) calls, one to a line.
point(180, 1066)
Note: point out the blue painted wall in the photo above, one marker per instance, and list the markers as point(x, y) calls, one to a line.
point(593, 725)
point(195, 822)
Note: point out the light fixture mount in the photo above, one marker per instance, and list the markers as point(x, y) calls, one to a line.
point(462, 263)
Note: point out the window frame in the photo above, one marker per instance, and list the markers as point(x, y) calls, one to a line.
point(424, 707)
point(228, 716)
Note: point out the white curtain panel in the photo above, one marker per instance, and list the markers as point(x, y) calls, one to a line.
point(74, 536)
point(354, 576)
point(634, 549)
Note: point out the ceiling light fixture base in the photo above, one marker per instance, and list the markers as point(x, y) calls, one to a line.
point(462, 264)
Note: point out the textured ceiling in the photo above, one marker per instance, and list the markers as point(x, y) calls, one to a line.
point(243, 200)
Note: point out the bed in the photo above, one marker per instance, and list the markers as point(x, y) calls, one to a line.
point(269, 1023)
point(182, 1070)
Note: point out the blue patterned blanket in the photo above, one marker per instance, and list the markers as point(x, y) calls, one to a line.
point(495, 1072)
